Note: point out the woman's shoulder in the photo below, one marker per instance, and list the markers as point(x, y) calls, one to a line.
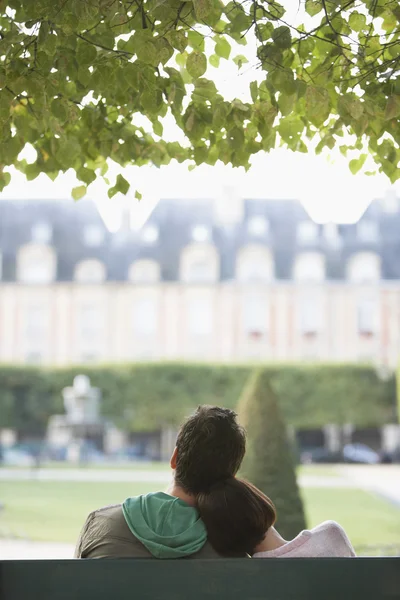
point(335, 535)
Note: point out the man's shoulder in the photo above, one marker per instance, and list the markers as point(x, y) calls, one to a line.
point(107, 535)
point(111, 511)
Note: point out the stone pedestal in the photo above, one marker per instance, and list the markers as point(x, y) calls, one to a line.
point(391, 438)
point(114, 440)
point(332, 438)
point(8, 437)
point(167, 443)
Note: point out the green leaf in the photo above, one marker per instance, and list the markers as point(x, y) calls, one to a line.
point(164, 50)
point(5, 179)
point(313, 7)
point(59, 110)
point(178, 39)
point(32, 171)
point(222, 47)
point(214, 60)
point(202, 9)
point(196, 64)
point(282, 37)
point(86, 175)
point(240, 60)
point(158, 128)
point(393, 107)
point(79, 192)
point(357, 163)
point(254, 90)
point(196, 40)
point(121, 186)
point(357, 21)
point(138, 195)
point(87, 54)
point(318, 104)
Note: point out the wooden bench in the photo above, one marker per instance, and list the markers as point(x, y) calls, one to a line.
point(145, 579)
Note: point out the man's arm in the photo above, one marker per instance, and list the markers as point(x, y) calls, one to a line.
point(82, 540)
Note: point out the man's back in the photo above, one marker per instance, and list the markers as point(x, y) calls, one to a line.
point(106, 534)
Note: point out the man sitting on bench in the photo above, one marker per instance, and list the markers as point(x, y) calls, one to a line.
point(210, 448)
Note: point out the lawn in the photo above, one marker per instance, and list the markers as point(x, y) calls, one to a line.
point(50, 511)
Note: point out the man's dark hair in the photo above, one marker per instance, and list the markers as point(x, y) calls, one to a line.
point(211, 446)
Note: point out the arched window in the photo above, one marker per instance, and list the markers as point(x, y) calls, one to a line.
point(254, 263)
point(90, 271)
point(199, 264)
point(36, 263)
point(258, 226)
point(364, 267)
point(309, 266)
point(144, 271)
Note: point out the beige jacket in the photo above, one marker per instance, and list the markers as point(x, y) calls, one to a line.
point(106, 535)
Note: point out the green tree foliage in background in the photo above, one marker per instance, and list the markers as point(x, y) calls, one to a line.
point(269, 459)
point(77, 76)
point(148, 396)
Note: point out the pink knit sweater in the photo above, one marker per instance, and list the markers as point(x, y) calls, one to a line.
point(327, 539)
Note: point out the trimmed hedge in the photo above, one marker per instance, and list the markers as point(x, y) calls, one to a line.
point(268, 462)
point(147, 396)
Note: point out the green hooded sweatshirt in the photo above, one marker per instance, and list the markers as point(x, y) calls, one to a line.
point(167, 526)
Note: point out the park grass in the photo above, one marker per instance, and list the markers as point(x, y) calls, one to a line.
point(55, 511)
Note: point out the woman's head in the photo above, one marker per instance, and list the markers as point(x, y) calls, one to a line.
point(237, 516)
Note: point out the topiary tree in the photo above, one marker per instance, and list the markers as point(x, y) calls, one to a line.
point(269, 461)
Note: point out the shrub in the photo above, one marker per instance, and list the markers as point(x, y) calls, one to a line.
point(268, 462)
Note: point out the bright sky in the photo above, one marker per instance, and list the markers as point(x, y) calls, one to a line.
point(323, 183)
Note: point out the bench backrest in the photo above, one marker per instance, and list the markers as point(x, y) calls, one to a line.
point(233, 579)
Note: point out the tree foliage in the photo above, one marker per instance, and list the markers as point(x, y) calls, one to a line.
point(147, 396)
point(77, 76)
point(268, 462)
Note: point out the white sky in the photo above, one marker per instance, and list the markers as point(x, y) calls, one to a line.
point(323, 183)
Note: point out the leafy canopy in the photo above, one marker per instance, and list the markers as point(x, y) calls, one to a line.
point(77, 77)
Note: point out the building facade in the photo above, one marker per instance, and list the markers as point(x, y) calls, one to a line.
point(243, 280)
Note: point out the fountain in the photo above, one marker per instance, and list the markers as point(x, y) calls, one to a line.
point(82, 422)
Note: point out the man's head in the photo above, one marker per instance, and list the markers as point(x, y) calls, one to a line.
point(209, 448)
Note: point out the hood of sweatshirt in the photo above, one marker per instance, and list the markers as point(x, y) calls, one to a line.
point(167, 526)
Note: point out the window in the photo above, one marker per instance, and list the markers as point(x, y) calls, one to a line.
point(93, 235)
point(309, 266)
point(150, 234)
point(368, 231)
point(144, 271)
point(41, 233)
point(36, 323)
point(199, 316)
point(255, 316)
point(332, 235)
point(1, 265)
point(310, 314)
point(307, 232)
point(145, 317)
point(90, 271)
point(201, 233)
point(258, 226)
point(199, 264)
point(364, 267)
point(367, 316)
point(91, 323)
point(254, 263)
point(36, 264)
